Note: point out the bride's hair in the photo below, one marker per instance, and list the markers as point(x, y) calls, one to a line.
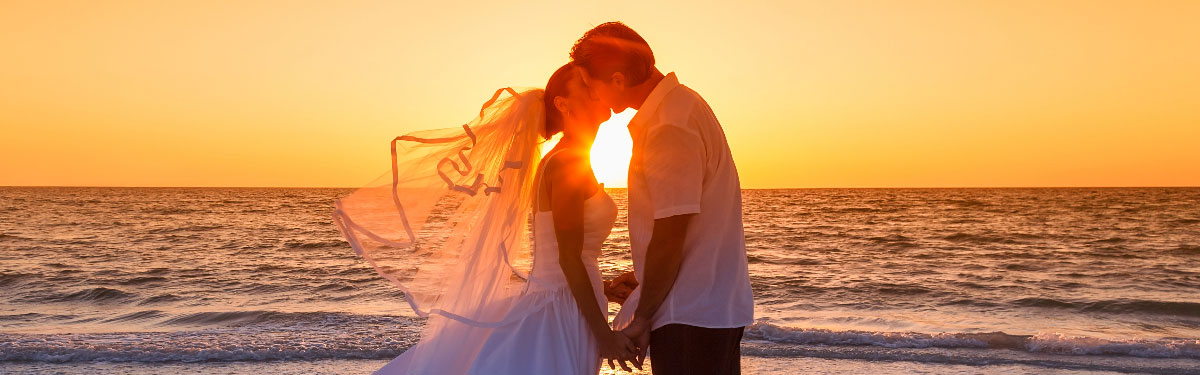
point(557, 86)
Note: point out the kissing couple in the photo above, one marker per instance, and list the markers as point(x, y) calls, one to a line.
point(451, 228)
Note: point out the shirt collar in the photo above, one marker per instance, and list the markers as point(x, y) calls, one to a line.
point(650, 106)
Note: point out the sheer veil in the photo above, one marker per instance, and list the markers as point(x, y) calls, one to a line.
point(449, 225)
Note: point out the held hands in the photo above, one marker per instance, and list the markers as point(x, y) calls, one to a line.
point(624, 345)
point(619, 288)
point(639, 332)
point(616, 346)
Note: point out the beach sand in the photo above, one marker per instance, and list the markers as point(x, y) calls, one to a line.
point(750, 365)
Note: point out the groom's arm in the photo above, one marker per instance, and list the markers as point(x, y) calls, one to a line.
point(674, 173)
point(663, 258)
point(673, 165)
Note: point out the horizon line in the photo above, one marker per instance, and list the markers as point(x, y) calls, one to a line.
point(755, 188)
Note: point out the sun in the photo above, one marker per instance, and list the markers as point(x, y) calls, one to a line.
point(610, 152)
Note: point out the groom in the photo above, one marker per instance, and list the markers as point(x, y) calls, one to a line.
point(685, 211)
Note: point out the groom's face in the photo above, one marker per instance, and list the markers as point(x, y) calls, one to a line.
point(604, 90)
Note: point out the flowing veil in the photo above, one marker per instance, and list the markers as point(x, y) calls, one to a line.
point(449, 225)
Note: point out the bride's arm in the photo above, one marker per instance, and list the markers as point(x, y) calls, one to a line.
point(570, 184)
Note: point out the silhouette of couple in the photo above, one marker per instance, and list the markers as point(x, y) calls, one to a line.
point(687, 301)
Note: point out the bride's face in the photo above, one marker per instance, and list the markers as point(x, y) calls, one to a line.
point(583, 110)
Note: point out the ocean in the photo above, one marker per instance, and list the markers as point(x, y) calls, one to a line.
point(882, 281)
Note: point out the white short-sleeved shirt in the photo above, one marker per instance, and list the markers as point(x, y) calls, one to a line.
point(681, 164)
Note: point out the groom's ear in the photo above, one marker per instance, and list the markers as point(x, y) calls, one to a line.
point(618, 80)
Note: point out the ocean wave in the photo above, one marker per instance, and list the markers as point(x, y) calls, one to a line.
point(262, 289)
point(221, 317)
point(1191, 309)
point(185, 228)
point(335, 287)
point(97, 295)
point(978, 238)
point(1120, 306)
point(169, 211)
point(862, 209)
point(197, 347)
point(156, 271)
point(899, 289)
point(1048, 343)
point(296, 244)
point(161, 298)
point(975, 357)
point(1188, 248)
point(22, 317)
point(64, 224)
point(143, 280)
point(6, 236)
point(967, 202)
point(266, 336)
point(774, 333)
point(9, 279)
point(1043, 302)
point(137, 316)
point(270, 267)
point(30, 317)
point(1110, 240)
point(1023, 267)
point(253, 318)
point(1057, 343)
point(969, 302)
point(761, 258)
point(894, 240)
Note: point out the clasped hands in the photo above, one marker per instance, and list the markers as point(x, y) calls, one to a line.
point(629, 344)
point(619, 289)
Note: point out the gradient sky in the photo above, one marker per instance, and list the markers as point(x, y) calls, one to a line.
point(811, 94)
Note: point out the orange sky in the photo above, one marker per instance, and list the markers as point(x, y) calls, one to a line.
point(811, 94)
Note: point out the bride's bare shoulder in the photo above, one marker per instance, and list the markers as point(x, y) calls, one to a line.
point(570, 166)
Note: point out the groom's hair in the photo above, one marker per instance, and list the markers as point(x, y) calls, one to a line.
point(613, 47)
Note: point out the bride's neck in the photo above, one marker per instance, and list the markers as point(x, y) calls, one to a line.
point(578, 135)
point(577, 142)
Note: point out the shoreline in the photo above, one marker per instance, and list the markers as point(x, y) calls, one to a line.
point(750, 365)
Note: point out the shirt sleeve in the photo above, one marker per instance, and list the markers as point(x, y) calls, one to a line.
point(673, 162)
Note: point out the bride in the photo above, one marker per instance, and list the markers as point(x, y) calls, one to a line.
point(451, 228)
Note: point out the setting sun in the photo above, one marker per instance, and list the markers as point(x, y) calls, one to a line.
point(611, 150)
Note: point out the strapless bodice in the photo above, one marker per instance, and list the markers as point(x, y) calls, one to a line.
point(599, 215)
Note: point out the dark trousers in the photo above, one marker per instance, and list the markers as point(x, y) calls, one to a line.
point(691, 350)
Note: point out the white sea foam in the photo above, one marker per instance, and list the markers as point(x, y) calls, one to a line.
point(1049, 343)
point(1081, 345)
point(339, 336)
point(774, 333)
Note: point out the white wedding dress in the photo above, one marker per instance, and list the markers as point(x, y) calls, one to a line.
point(549, 335)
